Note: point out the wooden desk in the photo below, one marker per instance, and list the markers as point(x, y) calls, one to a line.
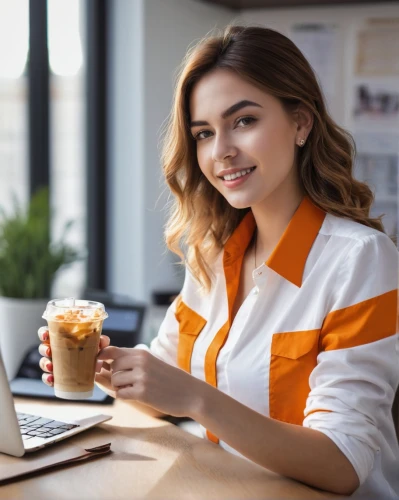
point(151, 459)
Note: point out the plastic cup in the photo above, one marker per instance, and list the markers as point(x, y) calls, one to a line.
point(75, 327)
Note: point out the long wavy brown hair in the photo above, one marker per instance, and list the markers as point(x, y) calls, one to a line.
point(201, 220)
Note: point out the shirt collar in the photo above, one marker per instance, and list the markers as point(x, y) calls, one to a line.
point(289, 257)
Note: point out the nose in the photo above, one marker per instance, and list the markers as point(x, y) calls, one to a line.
point(223, 149)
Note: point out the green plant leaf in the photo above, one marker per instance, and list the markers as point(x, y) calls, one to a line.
point(29, 260)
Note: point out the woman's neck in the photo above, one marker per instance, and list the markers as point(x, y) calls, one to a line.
point(272, 218)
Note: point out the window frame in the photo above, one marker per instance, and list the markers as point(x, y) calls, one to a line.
point(39, 126)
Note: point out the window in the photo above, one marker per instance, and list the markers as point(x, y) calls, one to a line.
point(14, 44)
point(66, 125)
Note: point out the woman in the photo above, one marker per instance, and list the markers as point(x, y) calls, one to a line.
point(282, 343)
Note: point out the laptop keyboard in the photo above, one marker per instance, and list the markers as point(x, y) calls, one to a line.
point(34, 426)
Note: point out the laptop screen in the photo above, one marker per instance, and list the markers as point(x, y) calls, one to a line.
point(122, 320)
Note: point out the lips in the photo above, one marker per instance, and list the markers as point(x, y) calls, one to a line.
point(234, 181)
point(231, 175)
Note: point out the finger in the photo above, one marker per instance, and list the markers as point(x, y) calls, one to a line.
point(126, 363)
point(48, 379)
point(104, 378)
point(43, 334)
point(112, 352)
point(134, 358)
point(121, 379)
point(126, 393)
point(45, 350)
point(104, 341)
point(46, 365)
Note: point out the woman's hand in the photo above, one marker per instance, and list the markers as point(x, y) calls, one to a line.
point(138, 375)
point(103, 375)
point(45, 362)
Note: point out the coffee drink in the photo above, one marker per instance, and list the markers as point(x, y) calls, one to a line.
point(75, 327)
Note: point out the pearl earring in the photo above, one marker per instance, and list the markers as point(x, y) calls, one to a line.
point(302, 142)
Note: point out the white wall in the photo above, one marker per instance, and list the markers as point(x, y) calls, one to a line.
point(126, 148)
point(149, 39)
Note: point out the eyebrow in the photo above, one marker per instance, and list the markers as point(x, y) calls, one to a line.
point(229, 111)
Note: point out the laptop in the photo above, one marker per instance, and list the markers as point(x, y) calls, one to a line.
point(22, 432)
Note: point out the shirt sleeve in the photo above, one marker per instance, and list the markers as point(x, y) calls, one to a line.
point(353, 385)
point(164, 345)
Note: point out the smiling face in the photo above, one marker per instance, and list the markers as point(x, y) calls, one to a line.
point(245, 140)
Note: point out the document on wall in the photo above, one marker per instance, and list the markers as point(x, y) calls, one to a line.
point(376, 103)
point(318, 43)
point(378, 48)
point(376, 75)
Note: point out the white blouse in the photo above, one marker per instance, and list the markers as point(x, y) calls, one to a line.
point(315, 342)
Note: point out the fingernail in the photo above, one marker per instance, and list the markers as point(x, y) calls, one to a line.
point(48, 351)
point(45, 336)
point(50, 379)
point(49, 367)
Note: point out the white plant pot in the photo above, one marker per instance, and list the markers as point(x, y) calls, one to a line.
point(19, 321)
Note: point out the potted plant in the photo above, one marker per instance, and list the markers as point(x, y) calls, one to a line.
point(29, 262)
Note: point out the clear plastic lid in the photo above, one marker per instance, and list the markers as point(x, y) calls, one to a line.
point(72, 310)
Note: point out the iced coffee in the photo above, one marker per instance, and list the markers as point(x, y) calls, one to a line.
point(75, 327)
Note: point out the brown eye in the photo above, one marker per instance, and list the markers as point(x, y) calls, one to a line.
point(246, 120)
point(200, 135)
